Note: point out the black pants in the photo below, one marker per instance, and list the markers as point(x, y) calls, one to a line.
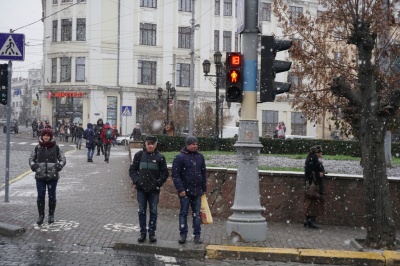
point(107, 150)
point(100, 147)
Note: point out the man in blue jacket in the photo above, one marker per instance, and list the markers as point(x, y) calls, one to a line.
point(190, 180)
point(148, 172)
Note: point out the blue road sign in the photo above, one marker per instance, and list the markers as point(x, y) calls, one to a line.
point(12, 46)
point(126, 110)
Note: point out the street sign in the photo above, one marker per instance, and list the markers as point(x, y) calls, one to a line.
point(126, 110)
point(12, 46)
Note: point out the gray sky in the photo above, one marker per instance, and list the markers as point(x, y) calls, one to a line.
point(16, 14)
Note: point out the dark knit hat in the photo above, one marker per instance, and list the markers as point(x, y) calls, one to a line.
point(47, 131)
point(316, 149)
point(190, 140)
point(151, 139)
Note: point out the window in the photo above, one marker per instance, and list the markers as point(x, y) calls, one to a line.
point(227, 7)
point(81, 29)
point(112, 110)
point(66, 30)
point(147, 71)
point(55, 26)
point(148, 3)
point(227, 41)
point(216, 40)
point(295, 80)
point(185, 5)
point(148, 33)
point(184, 37)
point(183, 75)
point(266, 12)
point(55, 2)
point(295, 13)
point(80, 69)
point(269, 121)
point(65, 67)
point(54, 70)
point(299, 124)
point(66, 1)
point(217, 10)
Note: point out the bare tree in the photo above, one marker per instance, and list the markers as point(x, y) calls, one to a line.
point(345, 56)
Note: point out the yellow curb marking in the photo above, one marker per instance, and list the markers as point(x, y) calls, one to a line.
point(218, 251)
point(341, 254)
point(392, 258)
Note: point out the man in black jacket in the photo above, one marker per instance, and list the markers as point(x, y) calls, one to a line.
point(148, 172)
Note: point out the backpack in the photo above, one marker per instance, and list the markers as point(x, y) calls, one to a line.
point(109, 134)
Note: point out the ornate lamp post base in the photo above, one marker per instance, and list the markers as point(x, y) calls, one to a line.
point(246, 220)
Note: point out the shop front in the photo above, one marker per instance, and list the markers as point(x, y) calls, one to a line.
point(67, 107)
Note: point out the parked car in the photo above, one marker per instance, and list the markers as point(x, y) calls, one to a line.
point(13, 127)
point(123, 140)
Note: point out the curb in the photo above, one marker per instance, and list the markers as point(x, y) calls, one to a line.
point(10, 230)
point(164, 247)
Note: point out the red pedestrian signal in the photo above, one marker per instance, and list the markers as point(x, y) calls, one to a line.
point(234, 83)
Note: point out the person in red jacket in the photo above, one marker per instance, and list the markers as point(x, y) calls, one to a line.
point(107, 136)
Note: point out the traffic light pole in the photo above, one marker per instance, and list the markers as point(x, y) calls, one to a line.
point(7, 177)
point(246, 220)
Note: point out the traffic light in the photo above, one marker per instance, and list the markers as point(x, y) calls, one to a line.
point(269, 67)
point(3, 83)
point(234, 83)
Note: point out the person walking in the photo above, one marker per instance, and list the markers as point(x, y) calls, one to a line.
point(116, 135)
point(73, 132)
point(67, 132)
point(314, 172)
point(136, 133)
point(90, 137)
point(34, 128)
point(190, 180)
point(46, 160)
point(98, 129)
point(107, 137)
point(148, 172)
point(78, 135)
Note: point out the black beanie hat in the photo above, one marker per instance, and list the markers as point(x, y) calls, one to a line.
point(190, 140)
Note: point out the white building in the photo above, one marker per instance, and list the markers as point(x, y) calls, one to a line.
point(100, 55)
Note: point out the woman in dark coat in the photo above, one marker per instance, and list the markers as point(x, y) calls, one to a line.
point(46, 160)
point(314, 172)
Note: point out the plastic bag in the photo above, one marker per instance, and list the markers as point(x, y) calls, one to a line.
point(205, 213)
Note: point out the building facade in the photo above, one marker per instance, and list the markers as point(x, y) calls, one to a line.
point(106, 59)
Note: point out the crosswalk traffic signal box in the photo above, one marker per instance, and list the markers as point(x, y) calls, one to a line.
point(234, 78)
point(3, 83)
point(269, 67)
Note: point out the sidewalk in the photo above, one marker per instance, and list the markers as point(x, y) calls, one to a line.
point(95, 209)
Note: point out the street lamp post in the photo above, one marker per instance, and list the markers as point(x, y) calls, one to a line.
point(170, 95)
point(221, 100)
point(218, 70)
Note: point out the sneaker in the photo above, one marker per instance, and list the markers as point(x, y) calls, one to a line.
point(197, 239)
point(182, 240)
point(152, 238)
point(141, 238)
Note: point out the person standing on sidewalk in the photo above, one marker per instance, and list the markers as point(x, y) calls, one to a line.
point(97, 129)
point(90, 137)
point(314, 172)
point(148, 172)
point(107, 137)
point(46, 160)
point(190, 180)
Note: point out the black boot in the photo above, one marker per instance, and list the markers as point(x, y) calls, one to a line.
point(40, 206)
point(310, 223)
point(152, 237)
point(141, 238)
point(182, 239)
point(52, 208)
point(313, 218)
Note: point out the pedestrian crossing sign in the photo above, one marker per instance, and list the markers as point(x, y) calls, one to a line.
point(126, 110)
point(12, 46)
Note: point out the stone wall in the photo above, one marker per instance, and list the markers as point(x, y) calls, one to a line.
point(282, 196)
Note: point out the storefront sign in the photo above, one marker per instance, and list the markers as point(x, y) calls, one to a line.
point(72, 94)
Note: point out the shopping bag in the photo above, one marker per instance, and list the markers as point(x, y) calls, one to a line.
point(205, 212)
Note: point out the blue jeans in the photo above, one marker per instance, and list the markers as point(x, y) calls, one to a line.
point(143, 198)
point(194, 202)
point(51, 188)
point(90, 152)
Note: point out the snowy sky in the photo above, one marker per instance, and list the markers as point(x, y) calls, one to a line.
point(16, 14)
